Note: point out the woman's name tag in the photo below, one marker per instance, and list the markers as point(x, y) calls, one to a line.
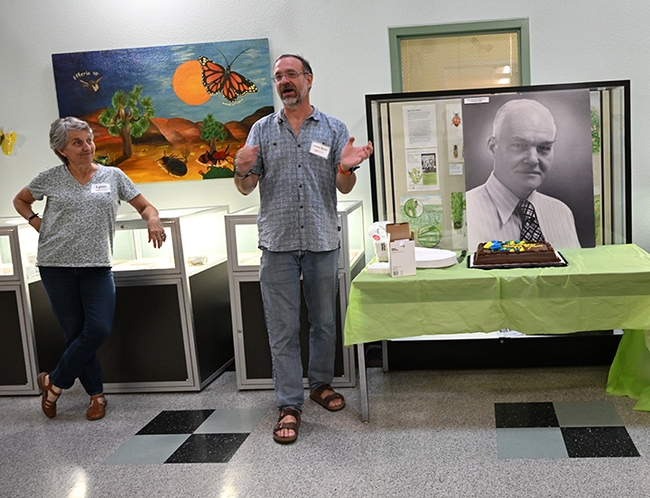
point(100, 188)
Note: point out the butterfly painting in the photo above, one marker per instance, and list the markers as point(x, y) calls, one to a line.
point(194, 112)
point(217, 79)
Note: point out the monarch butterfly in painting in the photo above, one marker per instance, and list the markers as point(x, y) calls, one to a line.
point(217, 79)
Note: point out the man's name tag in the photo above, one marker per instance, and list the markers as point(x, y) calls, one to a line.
point(320, 149)
point(100, 188)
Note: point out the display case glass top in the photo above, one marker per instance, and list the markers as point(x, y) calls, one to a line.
point(244, 253)
point(351, 213)
point(6, 259)
point(245, 234)
point(18, 243)
point(195, 239)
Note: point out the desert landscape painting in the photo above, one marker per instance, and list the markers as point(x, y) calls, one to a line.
point(168, 113)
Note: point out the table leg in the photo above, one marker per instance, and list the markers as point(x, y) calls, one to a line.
point(363, 383)
point(384, 355)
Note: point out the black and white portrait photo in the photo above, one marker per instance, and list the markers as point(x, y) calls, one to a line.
point(529, 172)
point(428, 163)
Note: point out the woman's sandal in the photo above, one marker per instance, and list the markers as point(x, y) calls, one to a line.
point(97, 408)
point(316, 395)
point(293, 426)
point(48, 406)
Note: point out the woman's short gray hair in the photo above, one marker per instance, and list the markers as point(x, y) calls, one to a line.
point(59, 133)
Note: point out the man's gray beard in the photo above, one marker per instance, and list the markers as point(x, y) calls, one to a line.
point(292, 102)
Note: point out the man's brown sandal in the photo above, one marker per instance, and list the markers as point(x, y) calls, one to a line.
point(48, 406)
point(293, 426)
point(325, 402)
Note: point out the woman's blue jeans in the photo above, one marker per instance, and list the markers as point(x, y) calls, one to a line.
point(83, 301)
point(280, 274)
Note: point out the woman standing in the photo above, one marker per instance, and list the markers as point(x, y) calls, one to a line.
point(74, 254)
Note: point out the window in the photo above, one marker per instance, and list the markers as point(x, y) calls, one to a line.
point(456, 56)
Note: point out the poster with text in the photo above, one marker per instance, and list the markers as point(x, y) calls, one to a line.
point(421, 147)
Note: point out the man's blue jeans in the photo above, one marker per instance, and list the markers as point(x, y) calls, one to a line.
point(83, 301)
point(280, 284)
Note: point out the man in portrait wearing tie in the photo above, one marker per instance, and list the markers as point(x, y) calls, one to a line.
point(508, 206)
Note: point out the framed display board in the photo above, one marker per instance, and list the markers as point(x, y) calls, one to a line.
point(570, 143)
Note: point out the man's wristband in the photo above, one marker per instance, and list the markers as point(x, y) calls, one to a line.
point(32, 217)
point(348, 172)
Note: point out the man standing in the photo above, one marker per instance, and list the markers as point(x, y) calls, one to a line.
point(507, 206)
point(300, 157)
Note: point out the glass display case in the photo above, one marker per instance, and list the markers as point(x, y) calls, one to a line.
point(202, 243)
point(17, 352)
point(244, 255)
point(432, 147)
point(252, 353)
point(241, 237)
point(6, 260)
point(353, 238)
point(172, 329)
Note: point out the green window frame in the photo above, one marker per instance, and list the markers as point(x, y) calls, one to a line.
point(474, 29)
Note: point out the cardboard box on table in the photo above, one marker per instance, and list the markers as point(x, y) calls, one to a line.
point(401, 256)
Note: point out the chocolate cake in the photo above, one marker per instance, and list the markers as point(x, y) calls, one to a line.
point(514, 252)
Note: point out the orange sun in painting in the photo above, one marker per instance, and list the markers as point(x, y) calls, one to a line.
point(188, 85)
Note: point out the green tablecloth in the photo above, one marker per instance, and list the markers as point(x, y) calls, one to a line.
point(606, 287)
point(629, 374)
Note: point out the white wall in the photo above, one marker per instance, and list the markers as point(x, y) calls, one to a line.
point(345, 40)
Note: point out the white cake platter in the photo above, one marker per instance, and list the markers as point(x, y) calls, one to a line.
point(424, 258)
point(434, 258)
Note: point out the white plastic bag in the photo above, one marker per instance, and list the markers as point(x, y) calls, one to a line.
point(377, 232)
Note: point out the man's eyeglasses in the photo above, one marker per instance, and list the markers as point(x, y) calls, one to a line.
point(291, 75)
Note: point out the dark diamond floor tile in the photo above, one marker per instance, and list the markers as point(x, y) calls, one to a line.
point(586, 442)
point(176, 422)
point(207, 448)
point(512, 415)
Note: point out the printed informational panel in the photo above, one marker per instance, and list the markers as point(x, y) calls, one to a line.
point(427, 171)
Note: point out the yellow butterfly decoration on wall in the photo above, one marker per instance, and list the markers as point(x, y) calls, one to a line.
point(7, 140)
